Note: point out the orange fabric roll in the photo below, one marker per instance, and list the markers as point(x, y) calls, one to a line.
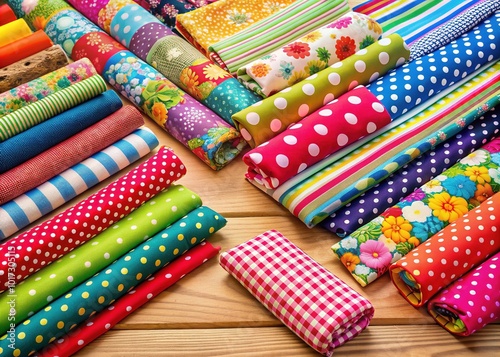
point(14, 31)
point(6, 14)
point(23, 48)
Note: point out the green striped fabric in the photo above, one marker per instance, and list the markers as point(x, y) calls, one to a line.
point(48, 107)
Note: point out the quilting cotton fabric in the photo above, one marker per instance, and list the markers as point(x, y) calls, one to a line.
point(309, 54)
point(269, 117)
point(312, 302)
point(24, 47)
point(37, 13)
point(140, 184)
point(27, 208)
point(369, 251)
point(90, 8)
point(167, 10)
point(14, 31)
point(449, 254)
point(108, 12)
point(471, 302)
point(6, 14)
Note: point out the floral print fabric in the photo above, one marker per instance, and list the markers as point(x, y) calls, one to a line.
point(369, 251)
point(37, 12)
point(309, 54)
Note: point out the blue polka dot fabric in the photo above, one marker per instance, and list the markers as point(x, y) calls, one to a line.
point(415, 82)
point(127, 21)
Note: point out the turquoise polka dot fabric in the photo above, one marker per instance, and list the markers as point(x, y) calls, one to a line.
point(127, 21)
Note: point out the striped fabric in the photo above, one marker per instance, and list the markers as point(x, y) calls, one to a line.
point(48, 107)
point(41, 200)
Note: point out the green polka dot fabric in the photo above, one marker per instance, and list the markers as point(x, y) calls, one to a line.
point(59, 277)
point(96, 293)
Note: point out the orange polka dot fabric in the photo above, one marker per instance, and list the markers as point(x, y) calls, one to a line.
point(449, 254)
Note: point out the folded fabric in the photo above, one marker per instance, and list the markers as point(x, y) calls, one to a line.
point(37, 13)
point(6, 14)
point(471, 302)
point(14, 31)
point(32, 67)
point(449, 254)
point(344, 120)
point(452, 29)
point(100, 323)
point(35, 140)
point(269, 34)
point(391, 190)
point(71, 151)
point(139, 185)
point(214, 22)
point(24, 47)
point(28, 207)
point(369, 251)
point(316, 305)
point(55, 279)
point(41, 87)
point(57, 103)
point(309, 54)
point(108, 285)
point(267, 118)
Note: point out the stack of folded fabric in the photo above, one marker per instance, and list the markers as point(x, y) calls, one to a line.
point(90, 256)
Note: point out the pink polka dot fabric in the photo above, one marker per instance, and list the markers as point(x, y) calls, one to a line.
point(449, 254)
point(312, 302)
point(471, 302)
point(344, 120)
point(50, 240)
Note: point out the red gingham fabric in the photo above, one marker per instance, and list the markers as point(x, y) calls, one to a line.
point(316, 305)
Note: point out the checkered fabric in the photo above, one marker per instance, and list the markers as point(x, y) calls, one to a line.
point(316, 305)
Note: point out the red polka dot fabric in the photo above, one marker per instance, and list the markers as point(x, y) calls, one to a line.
point(449, 254)
point(55, 237)
point(339, 123)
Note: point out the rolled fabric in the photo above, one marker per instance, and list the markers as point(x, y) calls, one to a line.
point(57, 103)
point(312, 302)
point(89, 8)
point(6, 14)
point(277, 30)
point(68, 153)
point(267, 118)
point(32, 67)
point(35, 140)
point(41, 87)
point(108, 285)
point(28, 207)
point(145, 38)
point(383, 195)
point(167, 10)
point(100, 323)
point(140, 184)
point(37, 13)
point(108, 12)
point(323, 47)
point(14, 31)
point(471, 302)
point(25, 47)
point(346, 119)
point(449, 254)
point(369, 251)
point(59, 277)
point(214, 22)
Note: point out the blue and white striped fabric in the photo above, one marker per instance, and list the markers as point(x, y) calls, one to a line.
point(27, 208)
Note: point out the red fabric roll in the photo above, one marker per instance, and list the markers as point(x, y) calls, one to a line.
point(24, 47)
point(6, 14)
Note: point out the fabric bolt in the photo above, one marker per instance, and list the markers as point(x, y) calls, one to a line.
point(312, 302)
point(67, 27)
point(449, 254)
point(99, 47)
point(25, 209)
point(209, 137)
point(6, 14)
point(126, 273)
point(24, 47)
point(14, 31)
point(317, 192)
point(139, 185)
point(144, 38)
point(108, 12)
point(452, 29)
point(89, 8)
point(369, 251)
point(267, 118)
point(55, 104)
point(35, 140)
point(368, 205)
point(37, 13)
point(471, 302)
point(309, 54)
point(167, 10)
point(127, 21)
point(96, 254)
point(416, 81)
point(346, 119)
point(212, 23)
point(71, 151)
point(99, 324)
point(36, 89)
